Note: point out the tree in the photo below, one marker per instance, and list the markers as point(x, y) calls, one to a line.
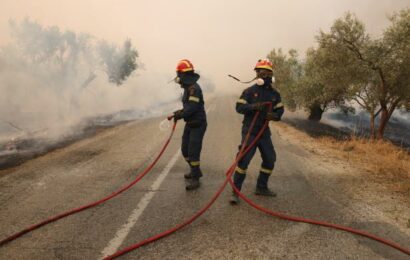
point(69, 55)
point(119, 63)
point(310, 84)
point(56, 66)
point(287, 72)
point(376, 69)
point(320, 88)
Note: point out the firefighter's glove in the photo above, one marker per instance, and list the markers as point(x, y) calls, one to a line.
point(272, 116)
point(178, 115)
point(258, 106)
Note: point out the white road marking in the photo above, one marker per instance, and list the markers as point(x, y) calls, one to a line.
point(122, 233)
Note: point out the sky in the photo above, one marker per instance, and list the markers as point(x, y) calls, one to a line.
point(219, 37)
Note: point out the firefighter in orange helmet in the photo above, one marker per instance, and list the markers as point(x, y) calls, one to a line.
point(251, 101)
point(194, 115)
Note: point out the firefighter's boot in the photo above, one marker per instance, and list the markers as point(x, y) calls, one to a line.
point(192, 183)
point(234, 199)
point(238, 179)
point(262, 186)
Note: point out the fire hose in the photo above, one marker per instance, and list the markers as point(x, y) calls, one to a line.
point(319, 223)
point(96, 203)
point(229, 173)
point(242, 152)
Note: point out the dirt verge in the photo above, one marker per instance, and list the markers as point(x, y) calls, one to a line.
point(383, 167)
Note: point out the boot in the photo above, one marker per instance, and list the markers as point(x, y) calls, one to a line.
point(238, 179)
point(234, 200)
point(262, 186)
point(192, 184)
point(189, 175)
point(265, 192)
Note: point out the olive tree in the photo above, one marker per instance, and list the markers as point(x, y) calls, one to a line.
point(374, 71)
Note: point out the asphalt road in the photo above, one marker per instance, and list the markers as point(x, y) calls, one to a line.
point(94, 167)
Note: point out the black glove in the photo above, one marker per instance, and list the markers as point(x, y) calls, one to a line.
point(178, 115)
point(272, 116)
point(258, 106)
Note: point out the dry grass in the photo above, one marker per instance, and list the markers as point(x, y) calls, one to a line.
point(382, 159)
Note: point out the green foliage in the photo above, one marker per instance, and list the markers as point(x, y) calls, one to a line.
point(374, 71)
point(319, 85)
point(396, 57)
point(349, 65)
point(287, 72)
point(118, 62)
point(68, 55)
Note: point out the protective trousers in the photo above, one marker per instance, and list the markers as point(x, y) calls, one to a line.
point(192, 146)
point(268, 154)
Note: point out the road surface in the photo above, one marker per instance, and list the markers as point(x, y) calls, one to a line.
point(92, 168)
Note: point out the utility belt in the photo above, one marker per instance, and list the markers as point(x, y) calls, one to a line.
point(195, 123)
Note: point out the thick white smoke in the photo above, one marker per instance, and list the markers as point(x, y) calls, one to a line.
point(51, 80)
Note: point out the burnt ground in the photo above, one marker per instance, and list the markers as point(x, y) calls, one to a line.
point(396, 132)
point(29, 148)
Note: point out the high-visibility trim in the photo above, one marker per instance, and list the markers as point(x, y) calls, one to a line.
point(240, 170)
point(195, 99)
point(187, 69)
point(186, 63)
point(267, 67)
point(264, 170)
point(196, 163)
point(278, 105)
point(241, 101)
point(264, 64)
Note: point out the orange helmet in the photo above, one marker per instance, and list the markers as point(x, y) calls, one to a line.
point(185, 66)
point(264, 64)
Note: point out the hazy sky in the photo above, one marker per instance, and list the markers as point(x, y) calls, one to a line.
point(219, 37)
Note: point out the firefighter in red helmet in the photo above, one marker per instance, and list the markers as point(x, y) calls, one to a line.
point(251, 101)
point(194, 115)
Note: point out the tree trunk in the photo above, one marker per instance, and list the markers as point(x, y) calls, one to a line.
point(384, 118)
point(372, 128)
point(315, 112)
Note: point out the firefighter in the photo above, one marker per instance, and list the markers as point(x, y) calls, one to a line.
point(253, 99)
point(194, 115)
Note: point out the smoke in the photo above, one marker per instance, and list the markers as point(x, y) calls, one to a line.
point(52, 80)
point(119, 63)
point(358, 123)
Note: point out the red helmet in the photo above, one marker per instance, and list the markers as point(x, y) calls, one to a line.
point(264, 64)
point(184, 66)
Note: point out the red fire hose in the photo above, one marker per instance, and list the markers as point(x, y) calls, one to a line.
point(319, 223)
point(229, 173)
point(242, 152)
point(93, 204)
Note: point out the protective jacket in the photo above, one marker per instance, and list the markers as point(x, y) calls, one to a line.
point(193, 101)
point(256, 94)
